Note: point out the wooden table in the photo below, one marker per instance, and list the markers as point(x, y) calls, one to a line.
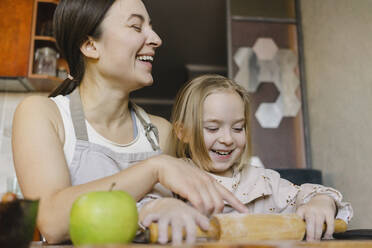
point(268, 244)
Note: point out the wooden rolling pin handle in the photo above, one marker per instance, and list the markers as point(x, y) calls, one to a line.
point(214, 232)
point(340, 226)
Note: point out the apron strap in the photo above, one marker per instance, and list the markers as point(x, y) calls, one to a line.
point(148, 126)
point(77, 115)
point(78, 120)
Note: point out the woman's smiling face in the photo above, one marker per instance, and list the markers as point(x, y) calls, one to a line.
point(223, 129)
point(127, 45)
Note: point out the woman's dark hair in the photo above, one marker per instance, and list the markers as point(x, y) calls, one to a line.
point(73, 22)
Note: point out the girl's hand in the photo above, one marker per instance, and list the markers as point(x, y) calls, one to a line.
point(177, 214)
point(319, 210)
point(193, 184)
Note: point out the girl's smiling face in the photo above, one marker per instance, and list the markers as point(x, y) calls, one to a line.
point(127, 45)
point(223, 129)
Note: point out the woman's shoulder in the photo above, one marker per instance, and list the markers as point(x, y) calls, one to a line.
point(37, 104)
point(38, 110)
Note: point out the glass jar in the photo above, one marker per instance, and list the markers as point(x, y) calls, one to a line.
point(46, 61)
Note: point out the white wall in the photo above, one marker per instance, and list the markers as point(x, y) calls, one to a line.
point(338, 62)
point(8, 104)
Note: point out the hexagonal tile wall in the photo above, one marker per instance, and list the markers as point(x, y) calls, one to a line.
point(264, 62)
point(269, 71)
point(247, 75)
point(269, 115)
point(265, 48)
point(288, 104)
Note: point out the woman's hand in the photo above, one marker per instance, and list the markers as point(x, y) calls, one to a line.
point(177, 214)
point(193, 184)
point(319, 210)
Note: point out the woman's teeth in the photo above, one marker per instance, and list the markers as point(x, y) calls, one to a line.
point(146, 58)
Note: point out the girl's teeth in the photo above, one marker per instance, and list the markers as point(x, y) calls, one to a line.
point(222, 153)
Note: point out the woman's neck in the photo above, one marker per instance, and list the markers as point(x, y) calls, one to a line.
point(104, 105)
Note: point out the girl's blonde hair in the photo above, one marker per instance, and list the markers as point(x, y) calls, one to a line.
point(187, 118)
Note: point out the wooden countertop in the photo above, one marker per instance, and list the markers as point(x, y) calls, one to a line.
point(269, 244)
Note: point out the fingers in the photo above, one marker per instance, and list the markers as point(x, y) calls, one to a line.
point(310, 227)
point(309, 220)
point(187, 224)
point(190, 232)
point(205, 197)
point(177, 229)
point(315, 222)
point(217, 203)
point(202, 221)
point(318, 226)
point(175, 216)
point(149, 219)
point(208, 198)
point(163, 224)
point(330, 221)
point(196, 199)
point(231, 199)
point(204, 193)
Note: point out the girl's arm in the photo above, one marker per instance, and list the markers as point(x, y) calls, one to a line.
point(319, 210)
point(318, 204)
point(38, 138)
point(315, 203)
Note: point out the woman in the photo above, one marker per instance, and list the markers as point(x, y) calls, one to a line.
point(89, 135)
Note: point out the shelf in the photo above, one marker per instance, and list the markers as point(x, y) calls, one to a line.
point(264, 19)
point(42, 76)
point(43, 83)
point(33, 83)
point(46, 38)
point(42, 36)
point(48, 1)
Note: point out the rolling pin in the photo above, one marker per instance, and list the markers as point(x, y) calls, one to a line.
point(251, 227)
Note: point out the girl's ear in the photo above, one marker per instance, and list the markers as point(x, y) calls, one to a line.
point(181, 132)
point(89, 49)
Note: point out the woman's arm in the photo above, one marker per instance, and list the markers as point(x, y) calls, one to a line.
point(38, 137)
point(43, 173)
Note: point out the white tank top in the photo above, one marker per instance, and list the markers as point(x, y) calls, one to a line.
point(139, 143)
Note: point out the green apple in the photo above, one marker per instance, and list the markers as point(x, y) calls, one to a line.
point(103, 217)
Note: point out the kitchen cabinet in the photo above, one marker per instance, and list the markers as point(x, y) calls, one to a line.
point(15, 38)
point(41, 37)
point(26, 26)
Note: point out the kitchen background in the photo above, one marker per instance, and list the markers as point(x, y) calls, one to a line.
point(337, 38)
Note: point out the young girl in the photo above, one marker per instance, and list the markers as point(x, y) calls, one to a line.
point(211, 130)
